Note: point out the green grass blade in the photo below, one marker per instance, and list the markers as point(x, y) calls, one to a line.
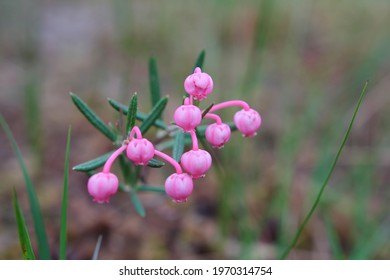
point(147, 188)
point(205, 111)
point(93, 163)
point(178, 147)
point(24, 238)
point(132, 113)
point(43, 244)
point(154, 163)
point(154, 114)
point(140, 116)
point(94, 119)
point(97, 248)
point(137, 203)
point(317, 200)
point(200, 60)
point(64, 207)
point(154, 82)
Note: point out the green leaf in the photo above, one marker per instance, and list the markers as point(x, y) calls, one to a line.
point(153, 115)
point(154, 83)
point(93, 164)
point(132, 113)
point(140, 116)
point(205, 111)
point(178, 147)
point(24, 237)
point(64, 207)
point(43, 244)
point(200, 60)
point(94, 119)
point(319, 195)
point(137, 204)
point(154, 163)
point(97, 248)
point(148, 188)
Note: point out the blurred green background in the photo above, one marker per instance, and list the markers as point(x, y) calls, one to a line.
point(301, 64)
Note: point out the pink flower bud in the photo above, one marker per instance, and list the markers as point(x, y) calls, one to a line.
point(247, 121)
point(102, 185)
point(140, 151)
point(218, 134)
point(179, 186)
point(196, 162)
point(198, 84)
point(187, 117)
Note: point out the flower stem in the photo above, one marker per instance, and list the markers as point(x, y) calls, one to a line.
point(214, 117)
point(230, 103)
point(195, 145)
point(174, 163)
point(136, 131)
point(111, 159)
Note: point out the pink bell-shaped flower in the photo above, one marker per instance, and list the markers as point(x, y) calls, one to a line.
point(218, 134)
point(102, 185)
point(187, 117)
point(196, 162)
point(140, 151)
point(247, 121)
point(179, 186)
point(198, 84)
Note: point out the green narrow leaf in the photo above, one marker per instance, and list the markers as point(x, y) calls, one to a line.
point(94, 119)
point(154, 83)
point(154, 163)
point(64, 206)
point(132, 113)
point(24, 237)
point(147, 188)
point(334, 242)
point(93, 164)
point(205, 111)
point(178, 147)
point(200, 60)
point(318, 198)
point(97, 248)
point(43, 244)
point(153, 115)
point(126, 168)
point(140, 116)
point(137, 204)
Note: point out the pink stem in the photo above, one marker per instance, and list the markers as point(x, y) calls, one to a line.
point(195, 146)
point(230, 103)
point(136, 131)
point(188, 100)
point(175, 164)
point(111, 159)
point(214, 117)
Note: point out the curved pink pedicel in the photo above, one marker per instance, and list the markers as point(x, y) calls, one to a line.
point(102, 185)
point(179, 186)
point(199, 84)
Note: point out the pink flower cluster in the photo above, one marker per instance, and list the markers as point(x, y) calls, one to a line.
point(195, 162)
